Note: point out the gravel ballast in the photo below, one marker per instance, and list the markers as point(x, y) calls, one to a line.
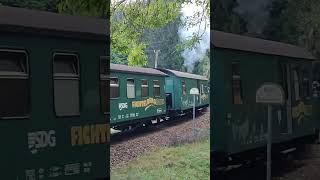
point(121, 153)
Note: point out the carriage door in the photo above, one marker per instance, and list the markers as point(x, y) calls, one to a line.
point(169, 93)
point(284, 115)
point(169, 100)
point(200, 92)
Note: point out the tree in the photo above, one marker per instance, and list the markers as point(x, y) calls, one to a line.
point(225, 19)
point(97, 8)
point(202, 66)
point(129, 20)
point(308, 24)
point(164, 39)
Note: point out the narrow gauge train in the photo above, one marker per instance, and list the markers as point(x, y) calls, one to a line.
point(52, 116)
point(177, 87)
point(238, 124)
point(145, 95)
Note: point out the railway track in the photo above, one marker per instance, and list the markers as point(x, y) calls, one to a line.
point(143, 130)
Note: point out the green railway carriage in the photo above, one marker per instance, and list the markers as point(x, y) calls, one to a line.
point(53, 122)
point(239, 66)
point(178, 85)
point(316, 93)
point(137, 95)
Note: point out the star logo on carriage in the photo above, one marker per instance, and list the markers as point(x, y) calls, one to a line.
point(204, 97)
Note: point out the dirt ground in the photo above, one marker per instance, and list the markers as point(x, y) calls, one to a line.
point(304, 166)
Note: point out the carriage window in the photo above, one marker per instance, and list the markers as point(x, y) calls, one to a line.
point(306, 83)
point(236, 84)
point(284, 75)
point(104, 83)
point(183, 87)
point(66, 84)
point(202, 89)
point(14, 91)
point(296, 84)
point(144, 88)
point(114, 88)
point(156, 88)
point(66, 64)
point(131, 91)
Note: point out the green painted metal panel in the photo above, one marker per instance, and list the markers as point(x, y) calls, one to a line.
point(245, 125)
point(170, 89)
point(316, 93)
point(218, 140)
point(138, 107)
point(185, 102)
point(41, 146)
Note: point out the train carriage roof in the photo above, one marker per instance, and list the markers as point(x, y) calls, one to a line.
point(21, 20)
point(245, 43)
point(136, 70)
point(184, 74)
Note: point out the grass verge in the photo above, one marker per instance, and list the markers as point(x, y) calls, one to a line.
point(185, 162)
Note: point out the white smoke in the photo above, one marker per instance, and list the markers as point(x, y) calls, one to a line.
point(194, 55)
point(256, 13)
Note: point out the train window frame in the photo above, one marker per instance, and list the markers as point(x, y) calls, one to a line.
point(118, 85)
point(25, 74)
point(183, 88)
point(156, 86)
point(296, 84)
point(306, 83)
point(236, 78)
point(284, 77)
point(104, 77)
point(145, 86)
point(202, 89)
point(67, 77)
point(134, 88)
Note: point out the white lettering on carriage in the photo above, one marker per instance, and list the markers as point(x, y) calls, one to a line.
point(41, 139)
point(31, 174)
point(123, 106)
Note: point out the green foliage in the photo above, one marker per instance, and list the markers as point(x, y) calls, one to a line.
point(119, 59)
point(97, 8)
point(296, 22)
point(202, 66)
point(136, 56)
point(130, 20)
point(308, 24)
point(224, 18)
point(155, 14)
point(164, 39)
point(198, 18)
